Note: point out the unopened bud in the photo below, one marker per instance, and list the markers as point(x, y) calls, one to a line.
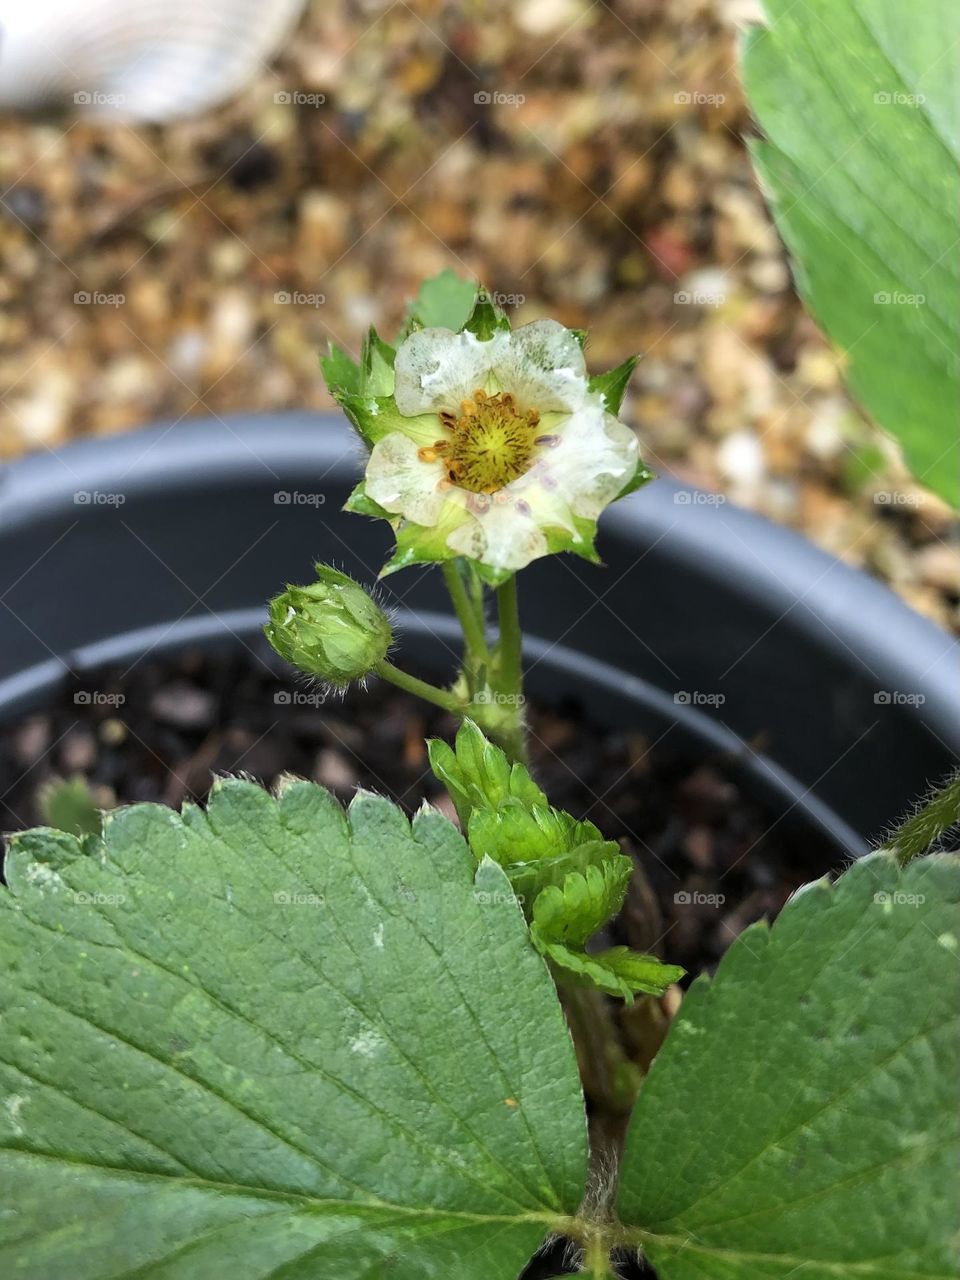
point(332, 628)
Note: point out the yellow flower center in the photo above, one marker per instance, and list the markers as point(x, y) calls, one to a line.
point(490, 442)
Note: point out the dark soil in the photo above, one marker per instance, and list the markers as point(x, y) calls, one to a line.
point(713, 860)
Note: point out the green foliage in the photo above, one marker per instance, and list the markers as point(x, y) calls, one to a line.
point(856, 101)
point(478, 774)
point(332, 628)
point(801, 1118)
point(276, 1039)
point(67, 804)
point(569, 880)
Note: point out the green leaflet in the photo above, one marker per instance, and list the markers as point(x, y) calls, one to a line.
point(478, 774)
point(276, 1038)
point(801, 1118)
point(68, 805)
point(856, 100)
point(444, 302)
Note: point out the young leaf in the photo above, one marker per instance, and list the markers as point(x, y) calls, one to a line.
point(618, 971)
point(575, 911)
point(276, 1039)
point(801, 1118)
point(67, 804)
point(856, 99)
point(479, 775)
point(444, 301)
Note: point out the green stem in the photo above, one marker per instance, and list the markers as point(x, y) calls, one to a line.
point(420, 688)
point(511, 667)
point(470, 615)
point(923, 830)
point(509, 681)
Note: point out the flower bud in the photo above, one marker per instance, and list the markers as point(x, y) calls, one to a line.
point(332, 629)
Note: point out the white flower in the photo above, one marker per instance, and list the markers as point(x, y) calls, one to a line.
point(497, 449)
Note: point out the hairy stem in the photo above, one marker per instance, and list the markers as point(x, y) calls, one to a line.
point(511, 668)
point(511, 733)
point(925, 828)
point(468, 611)
point(421, 688)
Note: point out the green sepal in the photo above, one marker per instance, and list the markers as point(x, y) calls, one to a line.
point(340, 371)
point(582, 543)
point(362, 505)
point(572, 913)
point(422, 544)
point(618, 971)
point(486, 318)
point(376, 359)
point(612, 385)
point(377, 416)
point(491, 577)
point(640, 477)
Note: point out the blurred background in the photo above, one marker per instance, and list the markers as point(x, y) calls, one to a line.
point(194, 203)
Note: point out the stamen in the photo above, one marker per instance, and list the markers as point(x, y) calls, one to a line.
point(490, 444)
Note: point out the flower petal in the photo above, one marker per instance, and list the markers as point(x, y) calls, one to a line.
point(401, 483)
point(542, 365)
point(502, 537)
point(437, 369)
point(594, 458)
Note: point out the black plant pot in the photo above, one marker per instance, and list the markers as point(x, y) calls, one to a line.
point(710, 629)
